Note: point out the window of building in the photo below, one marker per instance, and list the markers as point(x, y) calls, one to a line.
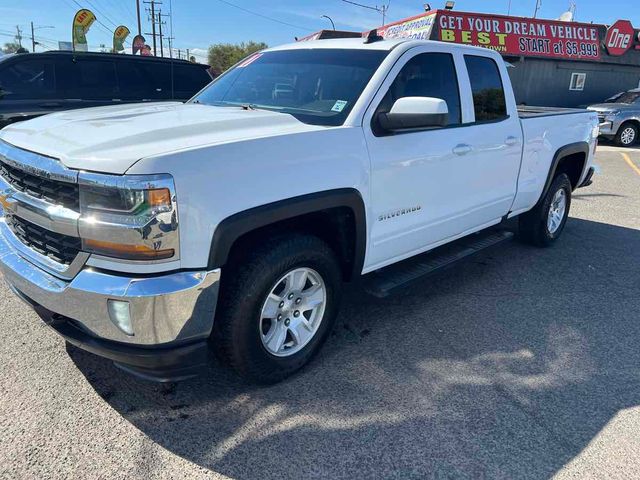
point(486, 86)
point(577, 81)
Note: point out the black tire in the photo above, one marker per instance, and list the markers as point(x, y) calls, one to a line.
point(533, 227)
point(245, 287)
point(627, 135)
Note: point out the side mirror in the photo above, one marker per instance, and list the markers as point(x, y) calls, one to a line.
point(410, 113)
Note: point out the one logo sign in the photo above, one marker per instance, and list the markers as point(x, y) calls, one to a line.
point(119, 36)
point(137, 44)
point(619, 37)
point(82, 22)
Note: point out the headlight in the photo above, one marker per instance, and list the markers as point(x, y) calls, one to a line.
point(612, 113)
point(129, 217)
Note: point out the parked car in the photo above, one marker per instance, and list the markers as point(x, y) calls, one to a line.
point(619, 117)
point(131, 228)
point(37, 83)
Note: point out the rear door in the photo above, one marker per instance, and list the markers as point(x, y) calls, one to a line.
point(88, 81)
point(433, 185)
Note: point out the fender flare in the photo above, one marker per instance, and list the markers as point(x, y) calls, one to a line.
point(232, 228)
point(571, 149)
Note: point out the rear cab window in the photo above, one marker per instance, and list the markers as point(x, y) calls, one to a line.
point(489, 101)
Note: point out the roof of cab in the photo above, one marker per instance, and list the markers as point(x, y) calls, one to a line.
point(359, 44)
point(346, 43)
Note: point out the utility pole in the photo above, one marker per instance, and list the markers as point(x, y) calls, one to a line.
point(188, 58)
point(138, 12)
point(19, 35)
point(161, 23)
point(160, 26)
point(153, 4)
point(538, 4)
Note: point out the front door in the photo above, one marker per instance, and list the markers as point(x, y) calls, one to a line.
point(430, 186)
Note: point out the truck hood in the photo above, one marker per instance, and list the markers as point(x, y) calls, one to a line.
point(112, 139)
point(612, 107)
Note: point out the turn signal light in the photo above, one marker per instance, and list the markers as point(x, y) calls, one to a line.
point(160, 197)
point(126, 252)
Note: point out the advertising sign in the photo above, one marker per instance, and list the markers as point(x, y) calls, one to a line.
point(418, 27)
point(619, 37)
point(521, 36)
point(138, 44)
point(119, 36)
point(82, 22)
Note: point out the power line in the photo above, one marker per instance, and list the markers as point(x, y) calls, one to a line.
point(265, 16)
point(361, 5)
point(383, 9)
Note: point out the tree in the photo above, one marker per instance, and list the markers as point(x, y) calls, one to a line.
point(222, 56)
point(10, 47)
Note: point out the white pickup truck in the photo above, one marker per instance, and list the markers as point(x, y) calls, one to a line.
point(152, 234)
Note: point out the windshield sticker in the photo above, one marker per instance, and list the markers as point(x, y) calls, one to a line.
point(339, 106)
point(249, 60)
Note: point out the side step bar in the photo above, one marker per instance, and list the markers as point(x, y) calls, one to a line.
point(383, 282)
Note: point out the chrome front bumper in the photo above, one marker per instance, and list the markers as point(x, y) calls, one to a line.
point(606, 129)
point(164, 309)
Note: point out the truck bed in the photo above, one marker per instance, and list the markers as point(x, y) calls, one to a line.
point(526, 111)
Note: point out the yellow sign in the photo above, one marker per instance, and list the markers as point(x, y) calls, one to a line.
point(119, 36)
point(81, 24)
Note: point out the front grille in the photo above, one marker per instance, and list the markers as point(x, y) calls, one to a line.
point(60, 248)
point(52, 191)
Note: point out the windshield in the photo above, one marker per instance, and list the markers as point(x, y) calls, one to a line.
point(628, 97)
point(317, 86)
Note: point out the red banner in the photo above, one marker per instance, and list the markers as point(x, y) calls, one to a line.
point(521, 36)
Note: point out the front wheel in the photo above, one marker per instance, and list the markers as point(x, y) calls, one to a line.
point(627, 135)
point(543, 224)
point(278, 305)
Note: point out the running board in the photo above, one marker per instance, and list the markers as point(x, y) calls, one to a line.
point(383, 282)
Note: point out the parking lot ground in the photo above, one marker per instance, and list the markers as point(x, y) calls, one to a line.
point(520, 363)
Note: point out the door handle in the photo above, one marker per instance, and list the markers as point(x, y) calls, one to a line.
point(511, 141)
point(462, 149)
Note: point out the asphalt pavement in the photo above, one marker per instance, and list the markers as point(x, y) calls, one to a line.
point(519, 363)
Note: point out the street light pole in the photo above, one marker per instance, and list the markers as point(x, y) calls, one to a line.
point(33, 37)
point(329, 18)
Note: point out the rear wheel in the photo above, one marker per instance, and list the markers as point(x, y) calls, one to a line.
point(544, 224)
point(277, 307)
point(627, 135)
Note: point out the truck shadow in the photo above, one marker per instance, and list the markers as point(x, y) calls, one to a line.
point(508, 366)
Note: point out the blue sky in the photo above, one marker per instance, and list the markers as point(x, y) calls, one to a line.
point(199, 23)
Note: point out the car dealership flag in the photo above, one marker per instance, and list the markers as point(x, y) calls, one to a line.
point(82, 22)
point(120, 34)
point(138, 44)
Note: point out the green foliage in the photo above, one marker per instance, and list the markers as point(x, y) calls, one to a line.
point(222, 56)
point(10, 47)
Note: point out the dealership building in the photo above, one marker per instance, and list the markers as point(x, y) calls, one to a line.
point(556, 63)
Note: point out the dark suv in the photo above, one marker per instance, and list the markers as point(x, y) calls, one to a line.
point(32, 84)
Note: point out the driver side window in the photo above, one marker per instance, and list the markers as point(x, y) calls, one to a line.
point(427, 75)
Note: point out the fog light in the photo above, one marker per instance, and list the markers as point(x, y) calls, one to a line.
point(120, 315)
